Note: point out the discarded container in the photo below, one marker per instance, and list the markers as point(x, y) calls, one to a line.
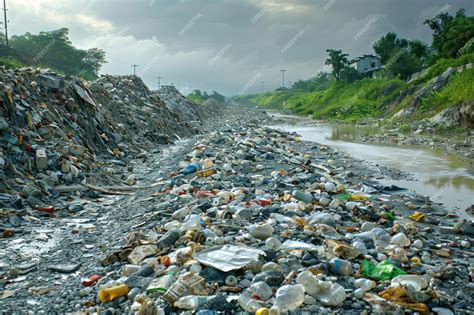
point(110, 294)
point(329, 293)
point(91, 280)
point(416, 282)
point(41, 159)
point(191, 302)
point(191, 168)
point(365, 284)
point(302, 196)
point(289, 297)
point(47, 209)
point(400, 239)
point(248, 303)
point(161, 284)
point(206, 173)
point(340, 267)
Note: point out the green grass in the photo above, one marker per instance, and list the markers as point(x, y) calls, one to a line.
point(369, 98)
point(441, 65)
point(349, 102)
point(460, 88)
point(195, 98)
point(11, 63)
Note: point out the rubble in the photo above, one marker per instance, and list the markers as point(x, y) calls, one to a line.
point(278, 226)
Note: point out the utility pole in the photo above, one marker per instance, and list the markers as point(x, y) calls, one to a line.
point(6, 21)
point(159, 82)
point(283, 77)
point(134, 69)
point(262, 86)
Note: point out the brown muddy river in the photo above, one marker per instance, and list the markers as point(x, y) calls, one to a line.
point(445, 178)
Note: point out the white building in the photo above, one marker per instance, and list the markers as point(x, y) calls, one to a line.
point(366, 64)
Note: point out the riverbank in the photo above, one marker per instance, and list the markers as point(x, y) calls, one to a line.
point(458, 142)
point(248, 202)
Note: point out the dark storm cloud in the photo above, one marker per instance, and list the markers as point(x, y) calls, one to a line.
point(223, 45)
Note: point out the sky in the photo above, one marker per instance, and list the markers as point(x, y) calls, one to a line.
point(229, 46)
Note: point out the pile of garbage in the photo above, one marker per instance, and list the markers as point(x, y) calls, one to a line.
point(255, 220)
point(58, 133)
point(180, 106)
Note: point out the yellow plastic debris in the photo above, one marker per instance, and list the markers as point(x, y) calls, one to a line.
point(417, 216)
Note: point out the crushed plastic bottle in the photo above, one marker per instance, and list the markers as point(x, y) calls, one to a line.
point(262, 290)
point(400, 239)
point(289, 297)
point(191, 302)
point(329, 293)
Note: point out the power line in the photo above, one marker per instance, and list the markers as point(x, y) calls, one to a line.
point(6, 21)
point(159, 82)
point(134, 69)
point(283, 77)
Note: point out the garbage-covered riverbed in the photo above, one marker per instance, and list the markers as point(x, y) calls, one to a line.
point(444, 178)
point(241, 219)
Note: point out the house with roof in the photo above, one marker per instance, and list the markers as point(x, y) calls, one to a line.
point(366, 65)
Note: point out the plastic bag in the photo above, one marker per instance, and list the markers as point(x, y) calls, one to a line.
point(383, 271)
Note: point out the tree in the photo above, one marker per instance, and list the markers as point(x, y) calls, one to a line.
point(54, 49)
point(401, 56)
point(451, 33)
point(349, 75)
point(337, 60)
point(388, 46)
point(94, 59)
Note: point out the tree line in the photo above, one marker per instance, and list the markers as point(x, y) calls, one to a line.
point(452, 36)
point(54, 50)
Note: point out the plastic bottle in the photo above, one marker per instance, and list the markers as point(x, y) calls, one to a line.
point(191, 168)
point(192, 223)
point(309, 281)
point(249, 304)
point(262, 290)
point(168, 239)
point(110, 294)
point(161, 284)
point(365, 284)
point(289, 297)
point(331, 293)
point(181, 213)
point(206, 173)
point(340, 267)
point(302, 196)
point(191, 302)
point(400, 239)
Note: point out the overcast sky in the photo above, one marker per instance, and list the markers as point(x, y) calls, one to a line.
point(226, 45)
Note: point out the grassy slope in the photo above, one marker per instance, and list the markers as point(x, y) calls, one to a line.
point(196, 99)
point(364, 98)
